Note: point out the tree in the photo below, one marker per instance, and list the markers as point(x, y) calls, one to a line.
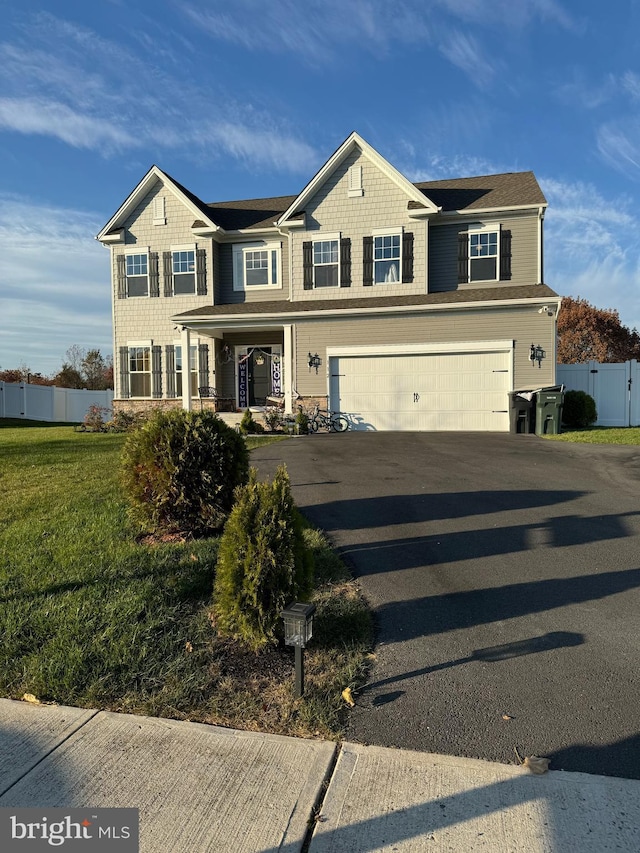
point(587, 333)
point(94, 369)
point(68, 377)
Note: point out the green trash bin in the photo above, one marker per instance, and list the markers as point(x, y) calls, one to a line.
point(549, 404)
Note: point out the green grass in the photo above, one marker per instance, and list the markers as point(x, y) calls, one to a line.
point(600, 435)
point(94, 618)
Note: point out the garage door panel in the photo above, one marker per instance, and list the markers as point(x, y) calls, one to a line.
point(428, 391)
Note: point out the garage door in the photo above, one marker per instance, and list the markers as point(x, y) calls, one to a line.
point(423, 391)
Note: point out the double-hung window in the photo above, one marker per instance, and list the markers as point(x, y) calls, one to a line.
point(184, 271)
point(140, 371)
point(386, 258)
point(137, 272)
point(483, 256)
point(256, 265)
point(326, 270)
point(191, 368)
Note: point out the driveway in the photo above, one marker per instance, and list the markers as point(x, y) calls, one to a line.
point(504, 573)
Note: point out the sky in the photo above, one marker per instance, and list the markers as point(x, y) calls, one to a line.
point(248, 98)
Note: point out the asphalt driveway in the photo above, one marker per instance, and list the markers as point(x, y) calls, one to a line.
point(504, 573)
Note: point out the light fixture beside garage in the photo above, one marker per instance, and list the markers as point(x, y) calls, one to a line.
point(536, 353)
point(314, 361)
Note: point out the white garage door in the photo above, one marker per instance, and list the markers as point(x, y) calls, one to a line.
point(423, 391)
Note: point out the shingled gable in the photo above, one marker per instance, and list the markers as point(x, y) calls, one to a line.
point(198, 208)
point(352, 142)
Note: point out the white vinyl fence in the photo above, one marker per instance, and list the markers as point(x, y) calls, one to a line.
point(614, 387)
point(47, 403)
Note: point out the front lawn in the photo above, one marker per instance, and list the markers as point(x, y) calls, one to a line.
point(93, 617)
point(600, 435)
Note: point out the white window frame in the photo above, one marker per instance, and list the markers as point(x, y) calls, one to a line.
point(387, 232)
point(138, 254)
point(194, 371)
point(189, 247)
point(484, 229)
point(140, 345)
point(274, 264)
point(326, 238)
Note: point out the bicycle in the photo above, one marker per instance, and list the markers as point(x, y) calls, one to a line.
point(331, 421)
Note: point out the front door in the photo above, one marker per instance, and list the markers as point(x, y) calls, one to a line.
point(259, 376)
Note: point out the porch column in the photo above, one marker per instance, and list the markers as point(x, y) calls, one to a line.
point(185, 343)
point(287, 355)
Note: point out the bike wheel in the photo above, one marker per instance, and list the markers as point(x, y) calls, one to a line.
point(339, 423)
point(314, 426)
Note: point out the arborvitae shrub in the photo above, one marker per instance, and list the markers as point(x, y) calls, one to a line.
point(180, 470)
point(579, 409)
point(263, 562)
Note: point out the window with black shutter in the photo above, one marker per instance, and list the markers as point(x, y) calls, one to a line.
point(367, 261)
point(345, 262)
point(307, 265)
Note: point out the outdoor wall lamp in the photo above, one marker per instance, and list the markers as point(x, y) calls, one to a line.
point(536, 353)
point(298, 630)
point(314, 361)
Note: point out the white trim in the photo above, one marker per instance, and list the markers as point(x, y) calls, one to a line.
point(387, 232)
point(291, 316)
point(137, 251)
point(239, 268)
point(483, 228)
point(137, 195)
point(183, 247)
point(416, 349)
point(330, 237)
point(160, 210)
point(352, 142)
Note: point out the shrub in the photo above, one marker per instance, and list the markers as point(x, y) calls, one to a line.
point(94, 419)
point(126, 421)
point(579, 409)
point(248, 426)
point(263, 562)
point(180, 470)
point(302, 422)
point(273, 418)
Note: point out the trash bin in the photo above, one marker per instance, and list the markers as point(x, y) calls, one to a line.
point(549, 402)
point(521, 411)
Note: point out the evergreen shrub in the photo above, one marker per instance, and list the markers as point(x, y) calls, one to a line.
point(180, 470)
point(263, 562)
point(579, 409)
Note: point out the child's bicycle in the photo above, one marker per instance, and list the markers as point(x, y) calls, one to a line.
point(331, 421)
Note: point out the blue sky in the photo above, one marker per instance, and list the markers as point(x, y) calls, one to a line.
point(245, 99)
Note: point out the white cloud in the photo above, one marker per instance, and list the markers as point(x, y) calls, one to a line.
point(592, 247)
point(55, 282)
point(619, 144)
point(464, 52)
point(81, 94)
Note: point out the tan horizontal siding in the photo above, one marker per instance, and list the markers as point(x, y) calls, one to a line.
point(524, 325)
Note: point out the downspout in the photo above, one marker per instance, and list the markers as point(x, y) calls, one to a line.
point(541, 245)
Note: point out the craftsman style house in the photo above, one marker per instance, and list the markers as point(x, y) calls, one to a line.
point(405, 306)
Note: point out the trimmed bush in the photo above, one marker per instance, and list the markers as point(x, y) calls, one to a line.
point(180, 470)
point(579, 409)
point(263, 562)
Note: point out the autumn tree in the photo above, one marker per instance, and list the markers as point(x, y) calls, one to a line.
point(587, 333)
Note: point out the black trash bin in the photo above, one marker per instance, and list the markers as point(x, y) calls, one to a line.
point(521, 411)
point(549, 402)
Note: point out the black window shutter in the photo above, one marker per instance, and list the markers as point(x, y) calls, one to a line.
point(367, 261)
point(121, 271)
point(170, 366)
point(407, 256)
point(203, 365)
point(463, 257)
point(201, 272)
point(307, 265)
point(154, 276)
point(156, 371)
point(505, 255)
point(167, 271)
point(124, 373)
point(345, 262)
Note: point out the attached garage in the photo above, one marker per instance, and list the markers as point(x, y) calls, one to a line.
point(423, 387)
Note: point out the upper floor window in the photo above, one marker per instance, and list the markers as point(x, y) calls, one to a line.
point(184, 271)
point(386, 258)
point(256, 265)
point(137, 272)
point(325, 263)
point(484, 254)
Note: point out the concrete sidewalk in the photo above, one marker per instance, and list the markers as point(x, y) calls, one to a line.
point(204, 788)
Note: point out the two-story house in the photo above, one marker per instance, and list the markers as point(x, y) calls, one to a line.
point(406, 306)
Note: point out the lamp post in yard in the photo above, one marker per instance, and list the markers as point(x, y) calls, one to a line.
point(298, 630)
